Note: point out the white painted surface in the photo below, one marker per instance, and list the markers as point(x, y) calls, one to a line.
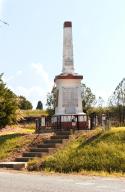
point(68, 65)
point(71, 85)
point(68, 83)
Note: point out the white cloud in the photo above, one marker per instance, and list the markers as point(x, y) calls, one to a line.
point(19, 72)
point(12, 77)
point(38, 68)
point(35, 91)
point(34, 94)
point(32, 91)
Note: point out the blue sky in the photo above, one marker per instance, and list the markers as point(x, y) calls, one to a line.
point(31, 46)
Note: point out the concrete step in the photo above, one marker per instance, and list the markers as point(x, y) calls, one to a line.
point(56, 141)
point(23, 159)
point(60, 137)
point(47, 150)
point(13, 165)
point(62, 132)
point(49, 145)
point(34, 154)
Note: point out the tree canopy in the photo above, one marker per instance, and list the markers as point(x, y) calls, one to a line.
point(117, 102)
point(51, 101)
point(88, 98)
point(39, 105)
point(8, 104)
point(24, 104)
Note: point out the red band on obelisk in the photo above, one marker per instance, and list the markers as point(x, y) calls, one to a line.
point(67, 24)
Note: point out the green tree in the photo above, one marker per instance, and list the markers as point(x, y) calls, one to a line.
point(88, 98)
point(117, 102)
point(8, 105)
point(51, 101)
point(24, 104)
point(51, 98)
point(39, 105)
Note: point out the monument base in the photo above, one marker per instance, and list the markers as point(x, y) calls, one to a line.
point(70, 121)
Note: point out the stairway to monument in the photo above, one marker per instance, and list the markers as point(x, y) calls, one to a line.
point(47, 147)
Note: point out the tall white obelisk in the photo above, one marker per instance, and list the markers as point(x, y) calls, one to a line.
point(68, 64)
point(68, 83)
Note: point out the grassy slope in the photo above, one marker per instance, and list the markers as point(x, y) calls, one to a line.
point(11, 144)
point(33, 113)
point(15, 140)
point(93, 151)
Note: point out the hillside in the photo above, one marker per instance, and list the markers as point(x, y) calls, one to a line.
point(14, 140)
point(95, 151)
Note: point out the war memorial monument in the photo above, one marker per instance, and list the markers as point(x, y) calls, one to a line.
point(68, 86)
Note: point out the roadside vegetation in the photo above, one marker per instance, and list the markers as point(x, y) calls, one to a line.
point(14, 140)
point(92, 151)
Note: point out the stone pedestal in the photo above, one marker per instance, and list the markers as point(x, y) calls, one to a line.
point(68, 94)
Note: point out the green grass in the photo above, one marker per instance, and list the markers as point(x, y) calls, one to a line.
point(28, 127)
point(14, 138)
point(12, 143)
point(20, 128)
point(33, 113)
point(93, 151)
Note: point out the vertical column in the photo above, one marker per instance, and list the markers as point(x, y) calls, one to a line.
point(68, 64)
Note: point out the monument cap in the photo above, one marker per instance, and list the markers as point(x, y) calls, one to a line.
point(67, 24)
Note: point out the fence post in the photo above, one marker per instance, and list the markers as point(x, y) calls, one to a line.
point(37, 126)
point(77, 118)
point(60, 122)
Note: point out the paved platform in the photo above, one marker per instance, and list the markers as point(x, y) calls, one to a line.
point(13, 165)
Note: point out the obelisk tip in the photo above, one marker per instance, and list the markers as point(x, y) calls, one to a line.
point(67, 24)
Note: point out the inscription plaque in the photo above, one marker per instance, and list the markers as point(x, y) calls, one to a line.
point(70, 99)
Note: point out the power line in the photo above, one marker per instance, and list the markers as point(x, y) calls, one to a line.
point(4, 22)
